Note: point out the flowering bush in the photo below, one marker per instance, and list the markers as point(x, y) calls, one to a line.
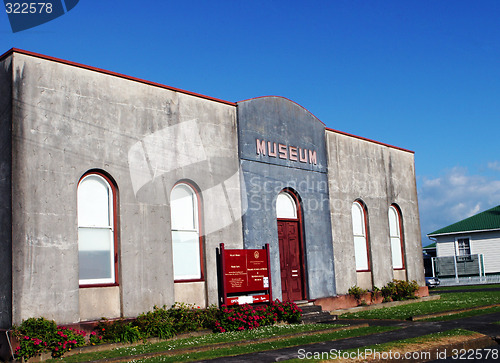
point(37, 336)
point(286, 311)
point(248, 317)
point(95, 338)
point(40, 335)
point(67, 339)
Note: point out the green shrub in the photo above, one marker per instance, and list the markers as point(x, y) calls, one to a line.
point(398, 290)
point(156, 323)
point(116, 331)
point(357, 292)
point(187, 317)
point(375, 293)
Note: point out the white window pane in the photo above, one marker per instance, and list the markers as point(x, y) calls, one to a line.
point(183, 208)
point(397, 258)
point(95, 239)
point(186, 251)
point(361, 254)
point(393, 222)
point(285, 206)
point(95, 253)
point(95, 265)
point(93, 202)
point(358, 220)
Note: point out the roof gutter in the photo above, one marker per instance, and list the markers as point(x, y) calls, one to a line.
point(461, 232)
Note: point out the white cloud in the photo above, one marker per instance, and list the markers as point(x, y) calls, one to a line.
point(494, 165)
point(455, 195)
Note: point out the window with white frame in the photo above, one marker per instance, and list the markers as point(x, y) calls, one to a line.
point(396, 238)
point(186, 243)
point(463, 246)
point(360, 237)
point(96, 200)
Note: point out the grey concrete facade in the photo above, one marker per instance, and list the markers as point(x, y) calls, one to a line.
point(68, 120)
point(61, 120)
point(5, 193)
point(379, 175)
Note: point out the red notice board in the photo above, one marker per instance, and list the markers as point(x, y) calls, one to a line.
point(246, 276)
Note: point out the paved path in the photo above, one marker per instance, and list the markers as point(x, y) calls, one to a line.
point(482, 324)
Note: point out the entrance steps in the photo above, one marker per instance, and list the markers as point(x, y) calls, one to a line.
point(312, 314)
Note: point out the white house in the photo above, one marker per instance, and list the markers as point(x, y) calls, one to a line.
point(473, 243)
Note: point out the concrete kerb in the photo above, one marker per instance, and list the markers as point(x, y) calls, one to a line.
point(384, 305)
point(451, 312)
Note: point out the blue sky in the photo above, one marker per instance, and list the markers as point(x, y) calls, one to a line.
point(422, 75)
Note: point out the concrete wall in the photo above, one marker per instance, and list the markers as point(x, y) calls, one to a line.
point(5, 193)
point(276, 119)
point(380, 176)
point(68, 120)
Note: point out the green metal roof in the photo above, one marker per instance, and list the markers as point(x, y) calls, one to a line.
point(486, 220)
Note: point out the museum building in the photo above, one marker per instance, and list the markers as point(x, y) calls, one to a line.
point(117, 192)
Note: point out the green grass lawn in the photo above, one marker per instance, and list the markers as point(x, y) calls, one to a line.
point(448, 301)
point(259, 347)
point(219, 339)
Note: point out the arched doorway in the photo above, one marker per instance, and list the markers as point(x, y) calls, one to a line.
point(290, 245)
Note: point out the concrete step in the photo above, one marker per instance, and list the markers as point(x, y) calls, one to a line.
point(309, 309)
point(322, 317)
point(314, 314)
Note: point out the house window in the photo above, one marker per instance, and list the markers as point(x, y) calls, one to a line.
point(360, 237)
point(186, 242)
point(395, 236)
point(463, 246)
point(97, 240)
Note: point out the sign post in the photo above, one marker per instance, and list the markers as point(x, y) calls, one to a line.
point(246, 276)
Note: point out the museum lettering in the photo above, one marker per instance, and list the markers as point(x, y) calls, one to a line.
point(287, 152)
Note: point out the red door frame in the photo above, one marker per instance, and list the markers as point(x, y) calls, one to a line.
point(296, 199)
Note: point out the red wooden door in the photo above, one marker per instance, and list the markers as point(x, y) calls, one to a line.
point(290, 260)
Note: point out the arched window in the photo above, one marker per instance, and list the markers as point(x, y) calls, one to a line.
point(97, 240)
point(286, 207)
point(361, 250)
point(396, 238)
point(186, 242)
